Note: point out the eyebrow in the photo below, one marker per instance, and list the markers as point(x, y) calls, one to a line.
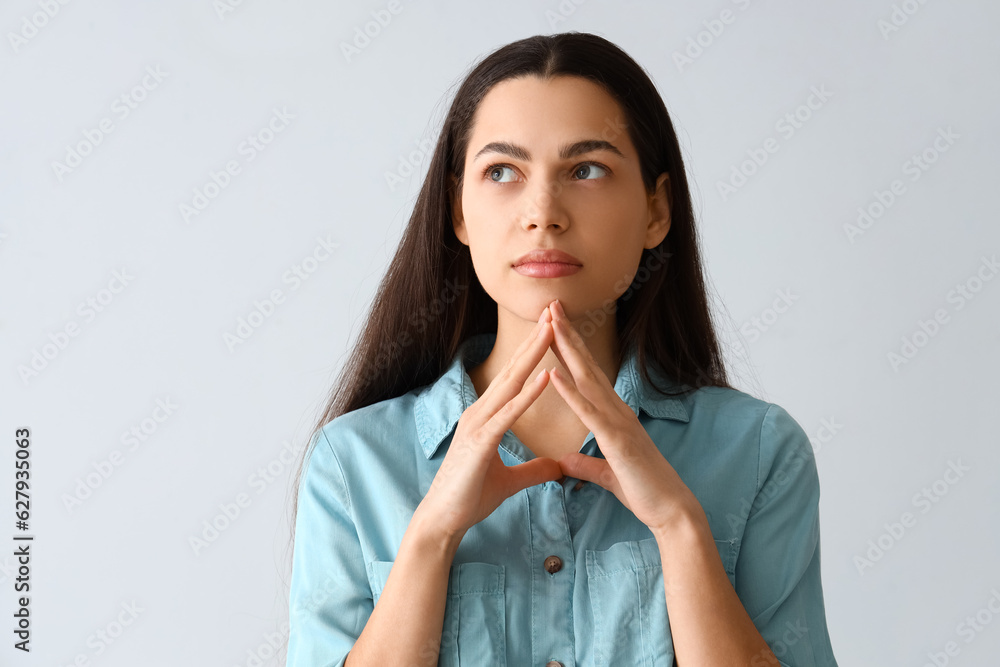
point(566, 151)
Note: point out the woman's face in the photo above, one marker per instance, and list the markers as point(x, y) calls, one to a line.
point(550, 165)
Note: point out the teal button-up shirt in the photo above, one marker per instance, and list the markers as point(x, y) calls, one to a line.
point(747, 461)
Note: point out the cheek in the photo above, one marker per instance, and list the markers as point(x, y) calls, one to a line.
point(481, 220)
point(487, 256)
point(617, 268)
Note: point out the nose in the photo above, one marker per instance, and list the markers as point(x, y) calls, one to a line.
point(544, 208)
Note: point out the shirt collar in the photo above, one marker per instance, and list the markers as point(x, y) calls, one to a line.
point(439, 405)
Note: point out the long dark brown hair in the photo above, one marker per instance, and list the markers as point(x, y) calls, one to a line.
point(430, 301)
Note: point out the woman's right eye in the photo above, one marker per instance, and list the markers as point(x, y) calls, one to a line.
point(494, 170)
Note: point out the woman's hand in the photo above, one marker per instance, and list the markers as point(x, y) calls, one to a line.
point(633, 468)
point(472, 480)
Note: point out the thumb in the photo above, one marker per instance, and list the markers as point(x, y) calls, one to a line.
point(588, 468)
point(535, 471)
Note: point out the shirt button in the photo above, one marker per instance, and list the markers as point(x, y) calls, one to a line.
point(553, 564)
point(553, 663)
point(579, 485)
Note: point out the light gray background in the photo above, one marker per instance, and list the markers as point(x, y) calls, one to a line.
point(161, 337)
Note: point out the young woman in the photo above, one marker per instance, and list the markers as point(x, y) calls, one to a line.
point(534, 456)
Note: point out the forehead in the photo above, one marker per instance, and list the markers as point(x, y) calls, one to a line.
point(547, 112)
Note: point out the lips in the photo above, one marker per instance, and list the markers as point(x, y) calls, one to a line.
point(551, 256)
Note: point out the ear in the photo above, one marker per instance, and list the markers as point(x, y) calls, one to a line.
point(659, 212)
point(457, 219)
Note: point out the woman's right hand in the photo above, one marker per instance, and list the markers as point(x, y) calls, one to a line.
point(472, 480)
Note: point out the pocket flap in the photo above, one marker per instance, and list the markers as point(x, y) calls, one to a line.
point(463, 578)
point(475, 578)
point(623, 556)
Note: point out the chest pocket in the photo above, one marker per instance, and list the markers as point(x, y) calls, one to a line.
point(474, 631)
point(631, 624)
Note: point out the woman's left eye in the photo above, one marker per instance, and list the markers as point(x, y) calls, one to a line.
point(588, 168)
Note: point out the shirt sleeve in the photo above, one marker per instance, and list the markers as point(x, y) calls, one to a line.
point(778, 568)
point(330, 598)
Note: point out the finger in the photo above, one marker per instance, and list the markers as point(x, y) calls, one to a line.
point(557, 349)
point(504, 417)
point(509, 381)
point(578, 360)
point(580, 404)
point(572, 346)
point(526, 344)
point(559, 313)
point(530, 473)
point(590, 469)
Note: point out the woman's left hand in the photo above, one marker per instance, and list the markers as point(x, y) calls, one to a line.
point(633, 468)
